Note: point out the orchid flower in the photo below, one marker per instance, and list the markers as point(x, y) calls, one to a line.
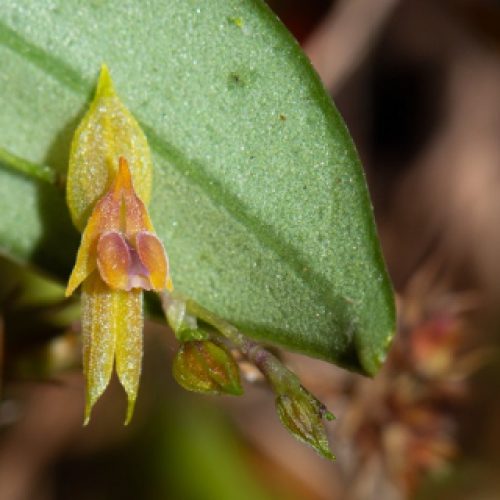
point(120, 254)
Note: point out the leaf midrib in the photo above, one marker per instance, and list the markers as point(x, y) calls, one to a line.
point(213, 189)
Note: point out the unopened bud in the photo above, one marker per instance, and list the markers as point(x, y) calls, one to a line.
point(203, 366)
point(301, 413)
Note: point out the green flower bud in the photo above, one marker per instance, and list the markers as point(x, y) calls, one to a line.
point(203, 366)
point(301, 413)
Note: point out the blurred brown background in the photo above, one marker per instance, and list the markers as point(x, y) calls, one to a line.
point(418, 83)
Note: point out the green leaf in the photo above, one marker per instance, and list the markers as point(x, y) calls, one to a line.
point(258, 192)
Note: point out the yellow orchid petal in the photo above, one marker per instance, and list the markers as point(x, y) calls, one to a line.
point(153, 257)
point(106, 132)
point(129, 323)
point(83, 267)
point(114, 260)
point(99, 337)
point(105, 217)
point(112, 324)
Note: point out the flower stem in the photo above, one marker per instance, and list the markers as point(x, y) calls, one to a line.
point(33, 170)
point(277, 374)
point(299, 410)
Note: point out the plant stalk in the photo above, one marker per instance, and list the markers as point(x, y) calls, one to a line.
point(33, 170)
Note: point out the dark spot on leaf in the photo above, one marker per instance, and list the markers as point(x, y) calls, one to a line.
point(282, 117)
point(241, 77)
point(235, 78)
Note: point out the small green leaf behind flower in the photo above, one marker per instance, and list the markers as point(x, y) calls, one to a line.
point(302, 414)
point(207, 367)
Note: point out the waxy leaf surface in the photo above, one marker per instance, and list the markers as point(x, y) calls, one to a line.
point(258, 194)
